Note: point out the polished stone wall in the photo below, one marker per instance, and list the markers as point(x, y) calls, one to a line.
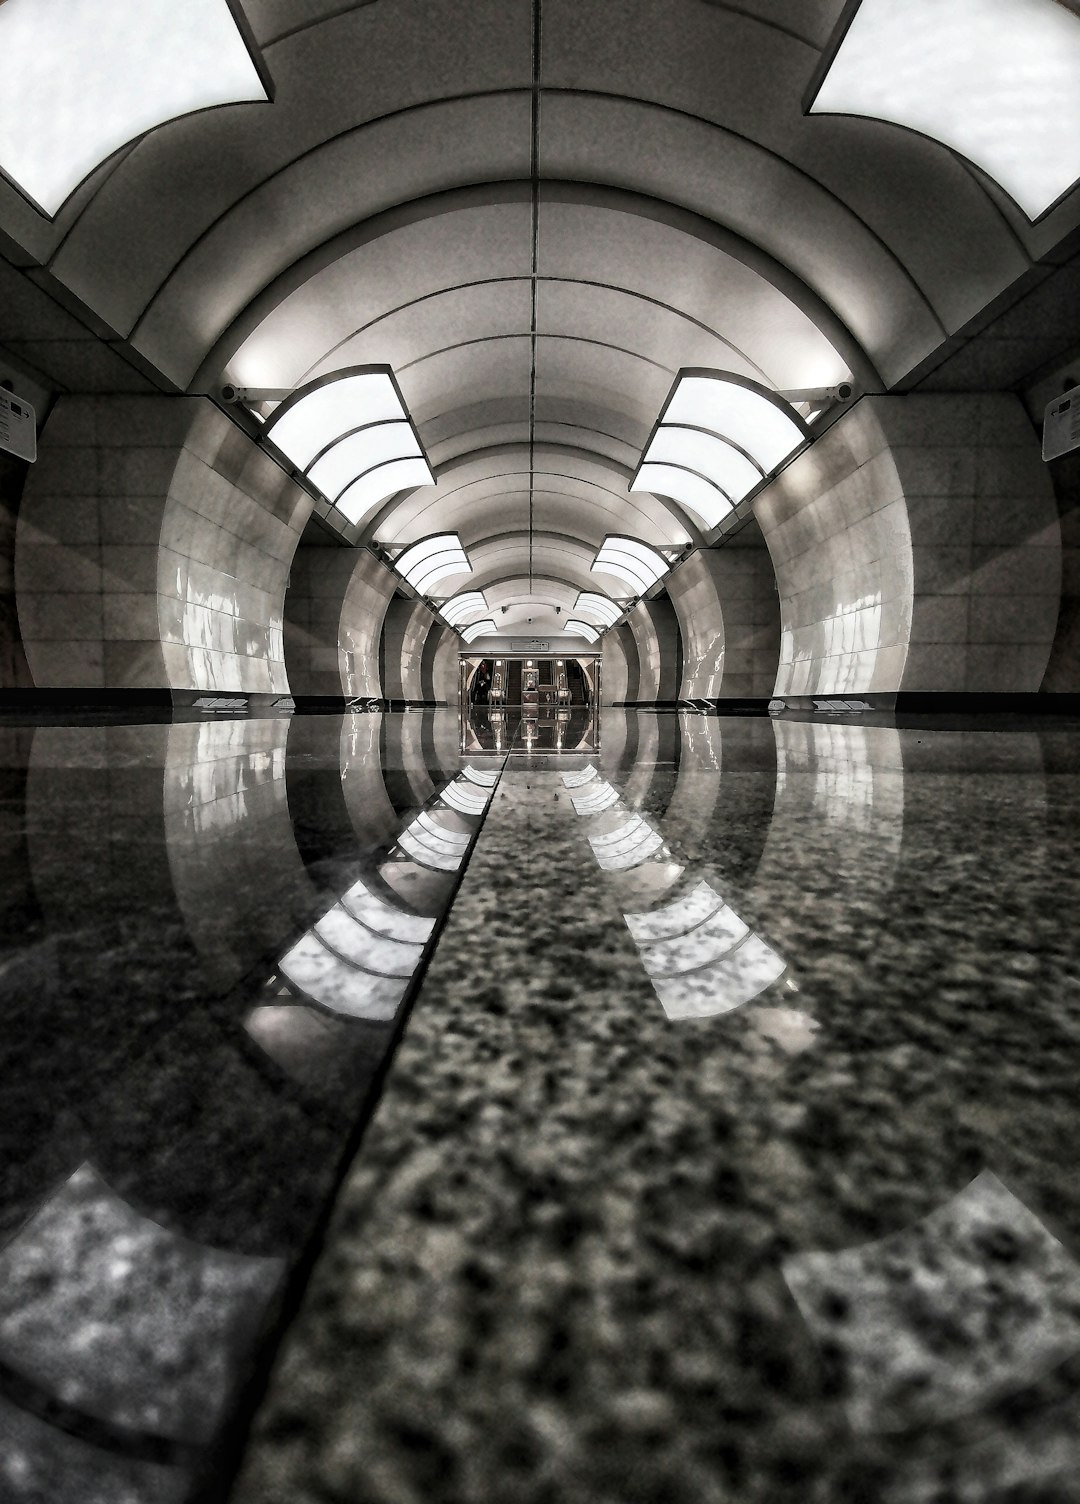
point(655, 628)
point(729, 617)
point(406, 626)
point(152, 548)
point(334, 609)
point(916, 547)
point(14, 672)
point(620, 675)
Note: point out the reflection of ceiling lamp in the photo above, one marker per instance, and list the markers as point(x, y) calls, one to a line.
point(604, 610)
point(997, 82)
point(485, 628)
point(581, 629)
point(718, 436)
point(81, 78)
point(351, 435)
point(700, 956)
point(630, 560)
point(455, 611)
point(431, 560)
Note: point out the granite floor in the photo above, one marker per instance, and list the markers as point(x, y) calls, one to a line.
point(687, 1117)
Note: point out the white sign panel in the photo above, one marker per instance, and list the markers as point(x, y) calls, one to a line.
point(18, 426)
point(1061, 425)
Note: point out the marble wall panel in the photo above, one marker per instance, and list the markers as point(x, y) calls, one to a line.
point(405, 629)
point(152, 549)
point(334, 609)
point(893, 532)
point(729, 618)
point(655, 628)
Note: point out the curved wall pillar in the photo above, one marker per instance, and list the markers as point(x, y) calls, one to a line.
point(916, 546)
point(439, 665)
point(334, 609)
point(729, 618)
point(655, 629)
point(406, 626)
point(619, 675)
point(152, 548)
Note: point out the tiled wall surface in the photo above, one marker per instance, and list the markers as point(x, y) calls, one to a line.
point(916, 547)
point(230, 529)
point(620, 675)
point(152, 548)
point(439, 665)
point(729, 616)
point(334, 608)
point(656, 635)
point(405, 629)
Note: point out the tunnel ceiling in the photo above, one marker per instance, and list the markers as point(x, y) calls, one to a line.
point(536, 211)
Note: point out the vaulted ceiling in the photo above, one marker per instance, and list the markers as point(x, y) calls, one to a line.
point(536, 211)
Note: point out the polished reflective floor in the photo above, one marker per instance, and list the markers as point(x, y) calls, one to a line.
point(691, 1117)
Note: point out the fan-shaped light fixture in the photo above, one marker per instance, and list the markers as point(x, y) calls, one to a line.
point(455, 611)
point(600, 606)
point(995, 80)
point(431, 560)
point(81, 78)
point(577, 628)
point(351, 435)
point(717, 438)
point(631, 560)
point(485, 628)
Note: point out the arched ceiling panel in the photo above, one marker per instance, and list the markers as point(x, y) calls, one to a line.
point(351, 179)
point(615, 241)
point(435, 323)
point(552, 558)
point(736, 183)
point(518, 589)
point(361, 284)
point(465, 375)
point(609, 315)
point(499, 435)
point(356, 67)
point(724, 67)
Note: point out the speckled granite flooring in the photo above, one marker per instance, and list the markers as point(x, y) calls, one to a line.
point(816, 1238)
point(727, 1154)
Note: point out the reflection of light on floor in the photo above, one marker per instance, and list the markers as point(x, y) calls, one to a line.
point(631, 843)
point(700, 956)
point(973, 1303)
point(359, 958)
point(580, 779)
point(602, 797)
point(120, 1319)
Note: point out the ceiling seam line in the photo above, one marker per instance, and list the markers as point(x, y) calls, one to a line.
point(534, 166)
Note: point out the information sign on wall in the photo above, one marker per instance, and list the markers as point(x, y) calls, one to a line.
point(1061, 425)
point(18, 426)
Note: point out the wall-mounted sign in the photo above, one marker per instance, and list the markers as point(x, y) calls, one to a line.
point(530, 645)
point(18, 426)
point(1061, 425)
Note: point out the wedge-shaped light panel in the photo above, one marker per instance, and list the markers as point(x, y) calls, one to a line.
point(81, 78)
point(996, 80)
point(485, 628)
point(718, 437)
point(433, 559)
point(462, 606)
point(351, 436)
point(598, 606)
point(581, 629)
point(630, 560)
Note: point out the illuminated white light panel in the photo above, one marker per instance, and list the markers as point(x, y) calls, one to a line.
point(579, 780)
point(466, 797)
point(456, 610)
point(596, 799)
point(761, 424)
point(996, 80)
point(432, 559)
point(600, 606)
point(357, 453)
point(485, 628)
point(486, 778)
point(630, 560)
point(81, 78)
point(696, 493)
point(352, 438)
point(577, 628)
